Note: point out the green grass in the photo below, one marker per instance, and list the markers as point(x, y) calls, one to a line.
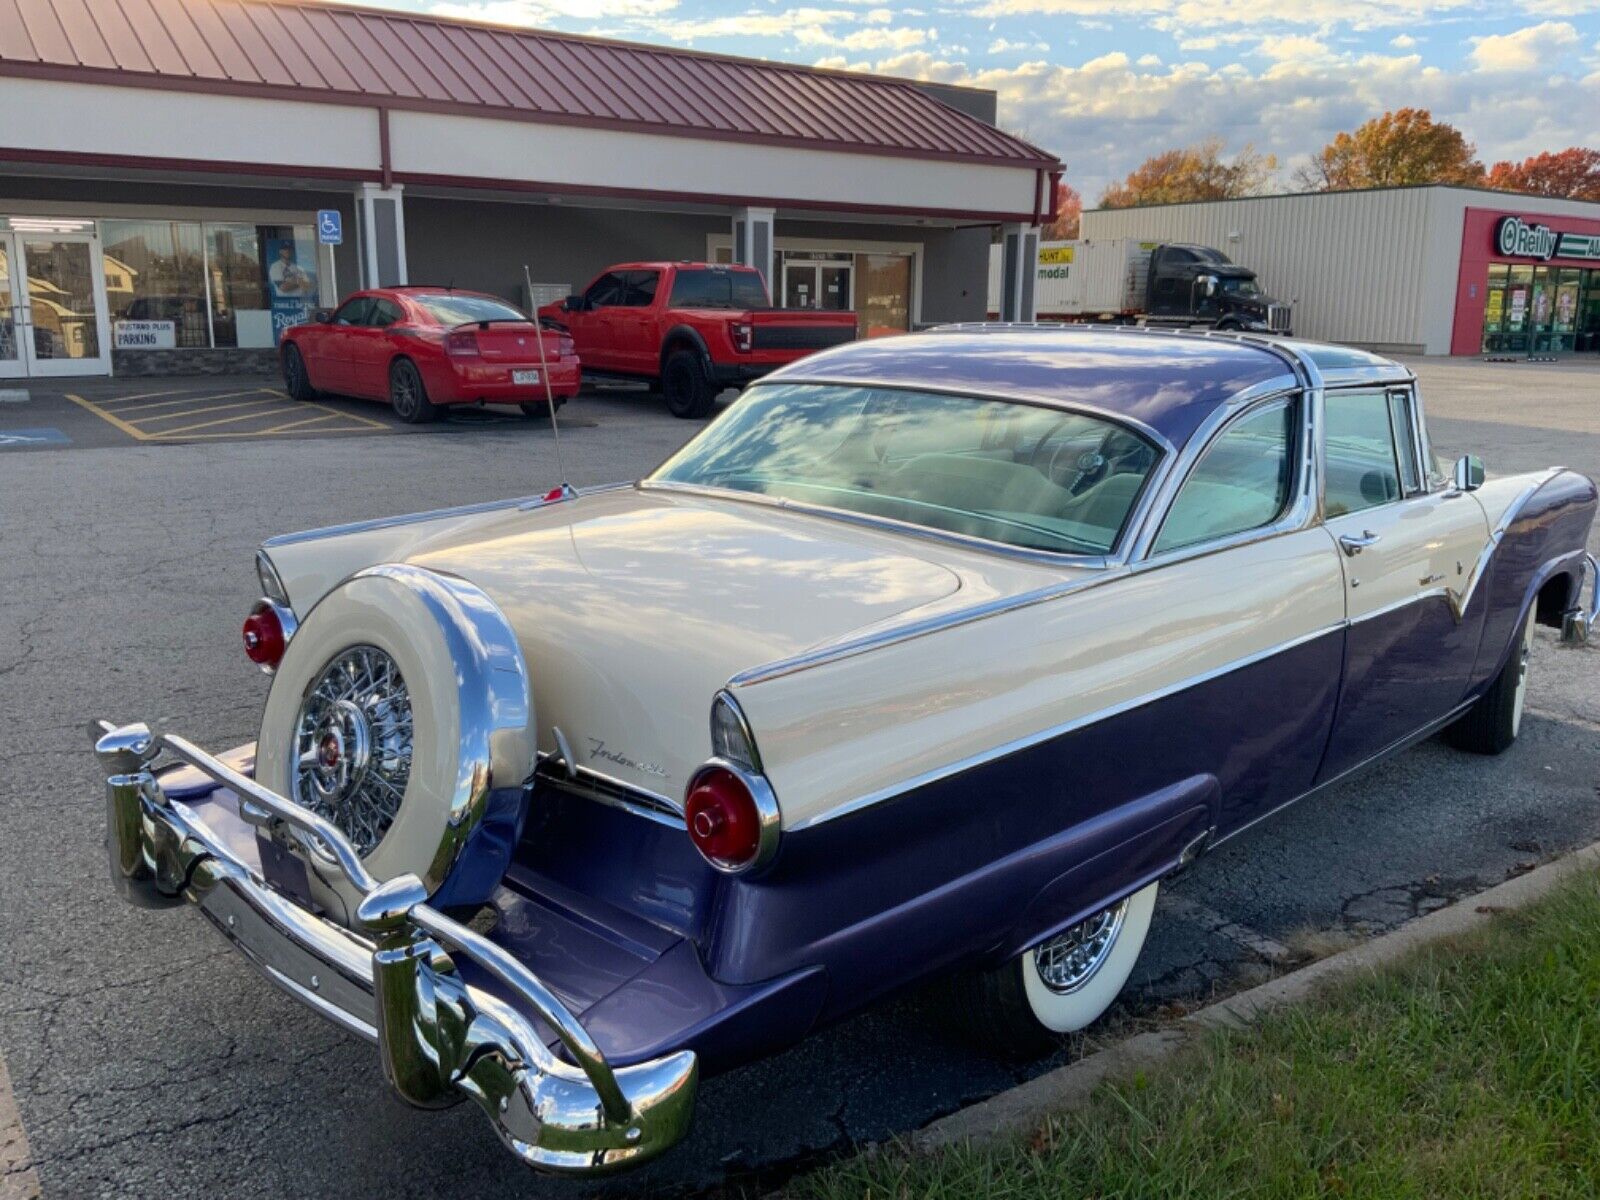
point(1471, 1071)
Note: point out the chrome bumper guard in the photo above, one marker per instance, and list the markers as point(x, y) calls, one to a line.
point(440, 1039)
point(1577, 623)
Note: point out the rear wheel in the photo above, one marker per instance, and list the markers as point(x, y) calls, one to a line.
point(684, 384)
point(1492, 724)
point(408, 396)
point(1062, 985)
point(295, 379)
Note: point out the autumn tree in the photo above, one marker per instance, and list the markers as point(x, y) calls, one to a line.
point(1194, 173)
point(1069, 211)
point(1399, 148)
point(1573, 173)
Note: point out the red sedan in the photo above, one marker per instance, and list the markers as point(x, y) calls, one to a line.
point(421, 348)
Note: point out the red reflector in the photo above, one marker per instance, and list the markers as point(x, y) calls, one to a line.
point(263, 638)
point(555, 493)
point(722, 818)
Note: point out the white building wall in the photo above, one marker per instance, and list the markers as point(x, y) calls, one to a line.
point(1356, 265)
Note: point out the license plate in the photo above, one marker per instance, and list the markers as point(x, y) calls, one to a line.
point(524, 377)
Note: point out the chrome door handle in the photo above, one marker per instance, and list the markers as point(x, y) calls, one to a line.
point(1353, 544)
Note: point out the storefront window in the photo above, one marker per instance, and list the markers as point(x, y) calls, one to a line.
point(155, 272)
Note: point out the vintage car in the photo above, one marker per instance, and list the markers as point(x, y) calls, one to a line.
point(930, 656)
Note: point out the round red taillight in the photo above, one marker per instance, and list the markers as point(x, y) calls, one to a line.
point(264, 637)
point(724, 820)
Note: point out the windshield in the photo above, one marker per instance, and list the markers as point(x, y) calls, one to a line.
point(709, 287)
point(1240, 287)
point(1025, 475)
point(449, 309)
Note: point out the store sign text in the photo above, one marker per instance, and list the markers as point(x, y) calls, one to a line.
point(145, 335)
point(1515, 238)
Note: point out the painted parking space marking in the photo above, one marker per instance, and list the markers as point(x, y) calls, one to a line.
point(13, 395)
point(179, 415)
point(28, 439)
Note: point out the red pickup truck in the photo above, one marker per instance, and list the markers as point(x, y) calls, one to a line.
point(692, 328)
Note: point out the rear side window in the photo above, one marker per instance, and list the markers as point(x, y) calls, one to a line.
point(1242, 482)
point(711, 288)
point(450, 309)
point(1362, 467)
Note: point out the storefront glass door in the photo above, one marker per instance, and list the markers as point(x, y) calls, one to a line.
point(824, 285)
point(62, 324)
point(11, 362)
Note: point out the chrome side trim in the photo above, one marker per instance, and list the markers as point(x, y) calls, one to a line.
point(460, 510)
point(1044, 735)
point(439, 1038)
point(851, 647)
point(872, 521)
point(593, 785)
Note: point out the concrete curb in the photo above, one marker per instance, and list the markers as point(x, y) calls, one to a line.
point(1027, 1104)
point(17, 1178)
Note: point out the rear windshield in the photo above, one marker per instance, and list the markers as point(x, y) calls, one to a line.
point(1026, 475)
point(450, 309)
point(707, 287)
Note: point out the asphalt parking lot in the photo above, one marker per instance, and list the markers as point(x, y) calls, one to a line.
point(145, 1058)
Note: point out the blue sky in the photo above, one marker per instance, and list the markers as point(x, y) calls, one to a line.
point(1104, 83)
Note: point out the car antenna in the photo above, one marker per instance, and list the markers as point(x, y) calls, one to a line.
point(565, 489)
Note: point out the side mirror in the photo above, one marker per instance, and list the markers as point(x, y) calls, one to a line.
point(323, 316)
point(1211, 286)
point(573, 303)
point(1468, 473)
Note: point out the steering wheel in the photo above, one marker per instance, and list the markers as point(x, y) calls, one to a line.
point(1069, 463)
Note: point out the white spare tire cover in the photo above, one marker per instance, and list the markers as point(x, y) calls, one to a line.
point(397, 636)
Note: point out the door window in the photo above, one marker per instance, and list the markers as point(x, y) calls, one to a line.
point(1362, 465)
point(640, 290)
point(353, 311)
point(1404, 440)
point(605, 292)
point(384, 314)
point(1242, 482)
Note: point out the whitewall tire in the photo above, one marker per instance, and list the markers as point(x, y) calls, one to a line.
point(469, 727)
point(1492, 724)
point(1067, 1000)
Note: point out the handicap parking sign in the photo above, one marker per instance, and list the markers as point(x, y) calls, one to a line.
point(330, 226)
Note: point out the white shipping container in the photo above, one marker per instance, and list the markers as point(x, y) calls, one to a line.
point(1086, 277)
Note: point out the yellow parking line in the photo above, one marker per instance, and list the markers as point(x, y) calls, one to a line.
point(186, 398)
point(148, 395)
point(195, 412)
point(367, 421)
point(111, 417)
point(275, 430)
point(183, 429)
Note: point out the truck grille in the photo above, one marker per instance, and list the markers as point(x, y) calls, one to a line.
point(801, 337)
point(1279, 318)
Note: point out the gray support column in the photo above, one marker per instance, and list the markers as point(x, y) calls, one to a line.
point(752, 242)
point(381, 235)
point(1019, 267)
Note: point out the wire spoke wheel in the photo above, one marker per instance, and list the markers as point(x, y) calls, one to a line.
point(353, 745)
point(1070, 959)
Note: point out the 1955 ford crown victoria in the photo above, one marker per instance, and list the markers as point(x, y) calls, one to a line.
point(931, 655)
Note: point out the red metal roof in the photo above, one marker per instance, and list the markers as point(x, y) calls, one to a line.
point(401, 60)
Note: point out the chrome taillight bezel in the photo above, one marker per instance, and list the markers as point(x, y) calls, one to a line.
point(769, 819)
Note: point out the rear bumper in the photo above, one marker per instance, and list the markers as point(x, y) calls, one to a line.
point(727, 375)
point(491, 383)
point(1580, 621)
point(452, 1013)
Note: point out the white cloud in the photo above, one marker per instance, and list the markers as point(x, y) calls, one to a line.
point(1106, 115)
point(1402, 41)
point(1293, 48)
point(1149, 60)
point(1005, 46)
point(866, 39)
point(541, 13)
point(1176, 16)
point(1560, 8)
point(778, 24)
point(1536, 47)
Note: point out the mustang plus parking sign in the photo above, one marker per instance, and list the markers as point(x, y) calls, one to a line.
point(330, 226)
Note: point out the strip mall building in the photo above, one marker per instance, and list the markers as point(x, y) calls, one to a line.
point(1420, 270)
point(163, 165)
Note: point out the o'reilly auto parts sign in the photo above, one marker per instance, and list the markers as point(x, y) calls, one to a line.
point(1516, 238)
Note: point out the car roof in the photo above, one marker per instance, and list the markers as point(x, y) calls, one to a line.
point(1169, 383)
point(663, 264)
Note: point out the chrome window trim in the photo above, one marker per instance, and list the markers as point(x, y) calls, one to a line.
point(726, 699)
point(1394, 454)
point(1027, 741)
point(1407, 402)
point(1298, 512)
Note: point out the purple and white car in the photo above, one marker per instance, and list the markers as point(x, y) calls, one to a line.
point(931, 656)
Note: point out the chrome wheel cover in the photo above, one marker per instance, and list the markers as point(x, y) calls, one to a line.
point(352, 744)
point(1070, 959)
